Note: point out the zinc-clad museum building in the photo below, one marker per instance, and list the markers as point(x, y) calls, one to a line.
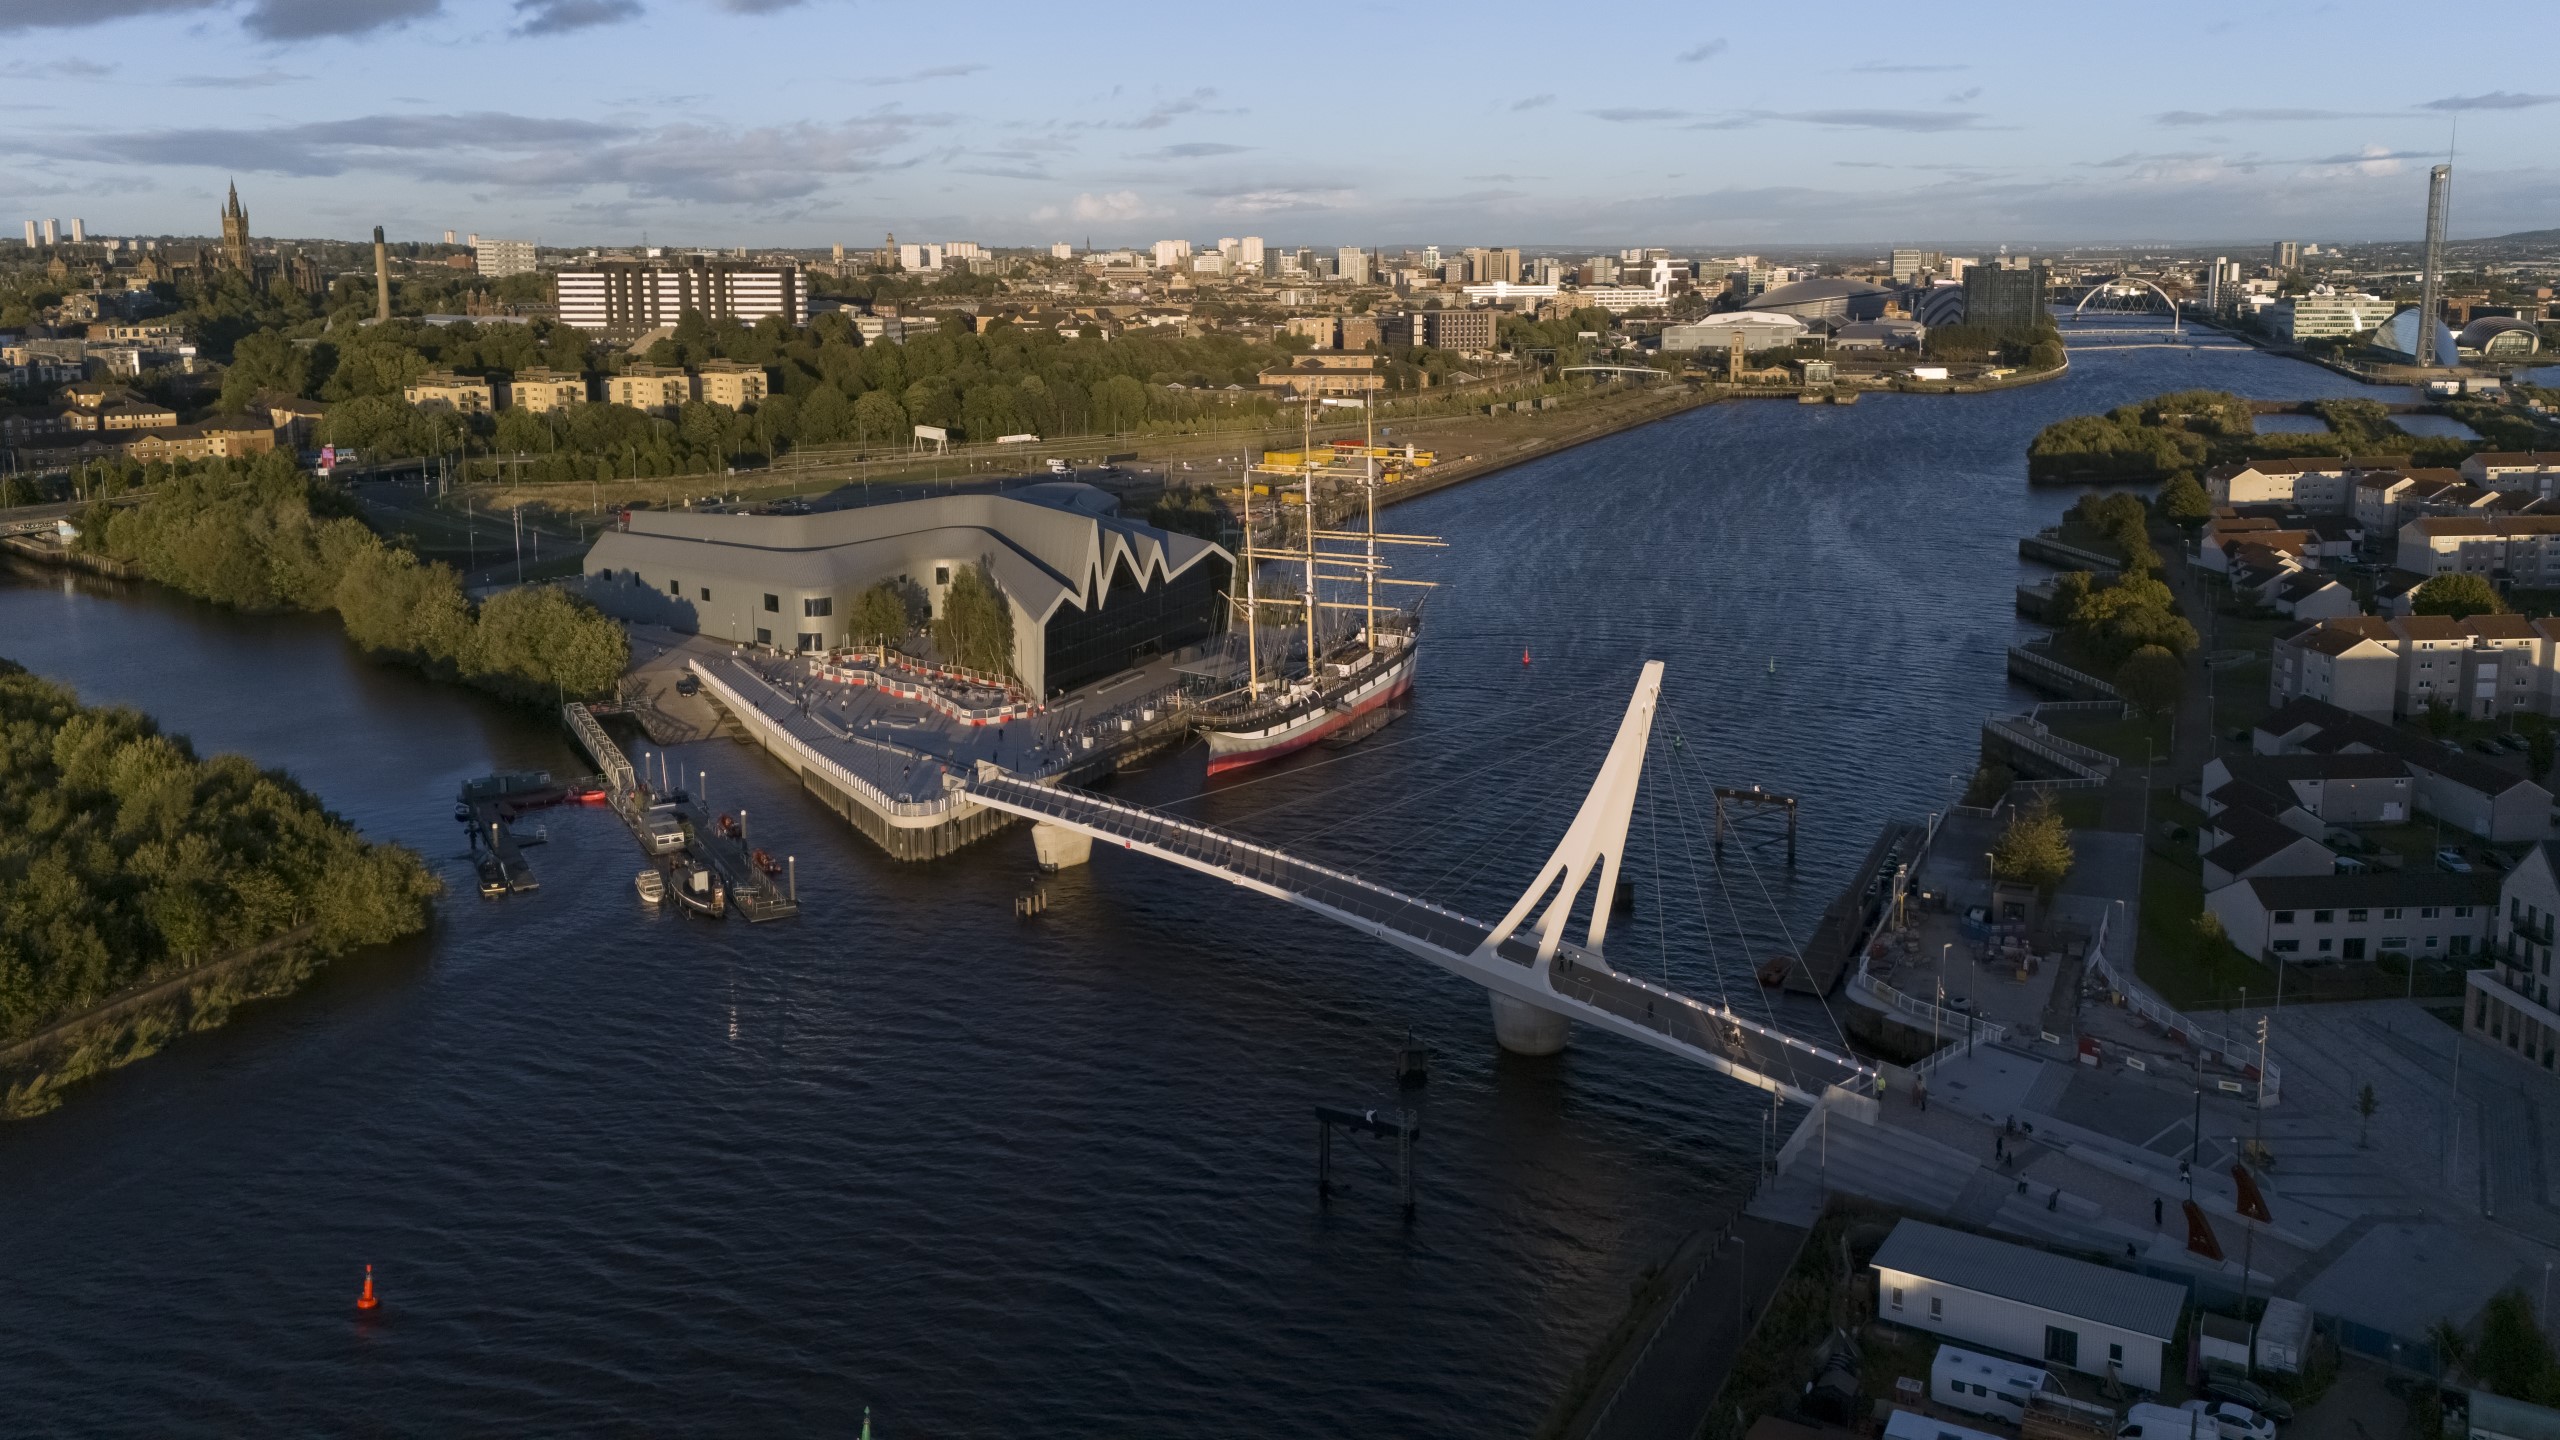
point(1091, 593)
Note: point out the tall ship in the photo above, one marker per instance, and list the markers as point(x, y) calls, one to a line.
point(1317, 665)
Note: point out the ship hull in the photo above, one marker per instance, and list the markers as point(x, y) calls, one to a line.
point(1234, 750)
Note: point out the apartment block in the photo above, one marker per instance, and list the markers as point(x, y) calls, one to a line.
point(629, 298)
point(2318, 484)
point(498, 259)
point(2326, 314)
point(732, 383)
point(659, 389)
point(2509, 1003)
point(2456, 787)
point(2537, 471)
point(2521, 548)
point(543, 391)
point(444, 390)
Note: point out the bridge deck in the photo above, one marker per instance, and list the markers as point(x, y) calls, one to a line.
point(1585, 984)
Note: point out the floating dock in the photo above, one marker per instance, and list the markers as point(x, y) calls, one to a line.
point(755, 894)
point(1864, 902)
point(489, 805)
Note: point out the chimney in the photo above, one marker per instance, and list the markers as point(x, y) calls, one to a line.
point(381, 277)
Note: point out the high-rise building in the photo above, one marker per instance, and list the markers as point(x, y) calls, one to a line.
point(1249, 251)
point(1169, 254)
point(235, 235)
point(2286, 255)
point(1909, 265)
point(1351, 265)
point(499, 258)
point(52, 232)
point(1062, 250)
point(1997, 297)
point(633, 297)
point(2431, 283)
point(79, 231)
point(448, 237)
point(31, 234)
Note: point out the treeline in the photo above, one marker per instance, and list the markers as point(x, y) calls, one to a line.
point(261, 535)
point(2188, 431)
point(125, 859)
point(2127, 629)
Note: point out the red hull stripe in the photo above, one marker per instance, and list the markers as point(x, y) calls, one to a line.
point(1220, 762)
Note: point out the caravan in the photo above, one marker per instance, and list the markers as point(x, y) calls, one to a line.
point(1983, 1385)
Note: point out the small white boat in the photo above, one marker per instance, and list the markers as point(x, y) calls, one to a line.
point(653, 886)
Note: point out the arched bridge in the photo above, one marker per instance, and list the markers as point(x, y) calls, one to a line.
point(1540, 981)
point(2103, 286)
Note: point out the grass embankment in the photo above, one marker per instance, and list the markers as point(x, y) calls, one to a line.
point(127, 863)
point(262, 536)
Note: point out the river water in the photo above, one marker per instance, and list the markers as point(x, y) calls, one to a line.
point(624, 1173)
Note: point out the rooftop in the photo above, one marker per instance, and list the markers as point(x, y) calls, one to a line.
point(2032, 1277)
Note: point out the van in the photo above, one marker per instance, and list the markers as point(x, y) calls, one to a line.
point(2162, 1422)
point(1058, 467)
point(1982, 1385)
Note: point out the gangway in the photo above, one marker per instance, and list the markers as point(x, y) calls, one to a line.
point(1539, 980)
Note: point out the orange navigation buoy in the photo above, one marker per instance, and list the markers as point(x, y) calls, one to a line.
point(366, 1301)
point(1524, 654)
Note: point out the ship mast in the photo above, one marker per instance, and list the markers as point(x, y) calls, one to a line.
point(1306, 453)
point(1369, 462)
point(1252, 603)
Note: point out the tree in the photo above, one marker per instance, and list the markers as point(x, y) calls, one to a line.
point(2537, 751)
point(2152, 680)
point(2183, 501)
point(2366, 1104)
point(2457, 594)
point(2036, 848)
point(879, 616)
point(976, 626)
point(2440, 719)
point(2513, 1358)
point(878, 418)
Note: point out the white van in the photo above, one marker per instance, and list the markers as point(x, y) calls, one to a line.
point(2162, 1422)
point(1982, 1385)
point(1903, 1425)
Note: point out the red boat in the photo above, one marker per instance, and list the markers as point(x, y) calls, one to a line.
point(590, 795)
point(728, 825)
point(766, 863)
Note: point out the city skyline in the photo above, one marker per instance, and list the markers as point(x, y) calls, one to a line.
point(538, 119)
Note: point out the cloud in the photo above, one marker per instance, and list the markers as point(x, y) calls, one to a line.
point(69, 67)
point(2494, 100)
point(930, 72)
point(1880, 67)
point(255, 80)
point(1534, 102)
point(1275, 199)
point(558, 17)
point(1708, 51)
point(2372, 160)
point(1925, 122)
point(1635, 115)
point(1165, 112)
point(66, 15)
point(757, 7)
point(2249, 116)
point(320, 19)
point(1194, 150)
point(1115, 207)
point(685, 161)
point(1965, 96)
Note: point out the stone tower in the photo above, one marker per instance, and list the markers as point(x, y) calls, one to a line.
point(235, 235)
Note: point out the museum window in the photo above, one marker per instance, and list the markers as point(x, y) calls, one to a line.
point(2061, 1346)
point(773, 603)
point(941, 574)
point(812, 640)
point(822, 605)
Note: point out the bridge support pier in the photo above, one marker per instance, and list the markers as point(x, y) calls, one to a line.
point(1524, 1029)
point(1058, 847)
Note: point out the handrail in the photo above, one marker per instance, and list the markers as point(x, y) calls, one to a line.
point(852, 784)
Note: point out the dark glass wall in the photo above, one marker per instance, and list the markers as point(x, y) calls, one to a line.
point(1131, 624)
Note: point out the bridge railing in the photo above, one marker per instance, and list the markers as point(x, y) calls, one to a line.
point(808, 755)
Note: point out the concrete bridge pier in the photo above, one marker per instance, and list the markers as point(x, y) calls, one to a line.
point(1058, 847)
point(1525, 1029)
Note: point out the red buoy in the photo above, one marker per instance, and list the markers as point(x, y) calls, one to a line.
point(366, 1301)
point(1524, 654)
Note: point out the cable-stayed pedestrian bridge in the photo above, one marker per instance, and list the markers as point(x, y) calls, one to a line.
point(1540, 982)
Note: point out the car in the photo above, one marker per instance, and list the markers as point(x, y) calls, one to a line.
point(2451, 859)
point(2496, 861)
point(2240, 1390)
point(2485, 748)
point(2350, 865)
point(2236, 1422)
point(2514, 743)
point(688, 685)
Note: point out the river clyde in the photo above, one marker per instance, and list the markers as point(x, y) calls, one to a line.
point(624, 1173)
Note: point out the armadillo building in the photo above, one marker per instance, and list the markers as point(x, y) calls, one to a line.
point(1090, 593)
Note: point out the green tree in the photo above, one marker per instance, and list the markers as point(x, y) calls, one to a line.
point(975, 628)
point(2036, 848)
point(2512, 1357)
point(880, 616)
point(2184, 502)
point(879, 419)
point(2152, 680)
point(2458, 594)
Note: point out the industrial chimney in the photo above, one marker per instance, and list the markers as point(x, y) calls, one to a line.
point(381, 278)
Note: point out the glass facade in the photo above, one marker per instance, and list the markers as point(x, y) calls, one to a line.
point(1130, 624)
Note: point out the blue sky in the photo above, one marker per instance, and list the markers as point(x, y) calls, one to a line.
point(806, 122)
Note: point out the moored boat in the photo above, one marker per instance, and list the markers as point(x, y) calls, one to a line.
point(652, 885)
point(700, 891)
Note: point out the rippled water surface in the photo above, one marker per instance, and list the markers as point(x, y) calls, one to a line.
point(623, 1173)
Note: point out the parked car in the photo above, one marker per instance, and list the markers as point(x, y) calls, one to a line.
point(2495, 860)
point(688, 685)
point(2514, 743)
point(2485, 748)
point(2451, 859)
point(2350, 865)
point(2240, 1390)
point(2236, 1422)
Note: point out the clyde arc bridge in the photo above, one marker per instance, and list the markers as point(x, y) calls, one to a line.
point(1541, 982)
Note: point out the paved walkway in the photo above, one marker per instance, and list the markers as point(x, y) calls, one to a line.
point(1693, 1343)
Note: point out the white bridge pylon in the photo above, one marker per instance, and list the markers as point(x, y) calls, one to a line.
point(1539, 990)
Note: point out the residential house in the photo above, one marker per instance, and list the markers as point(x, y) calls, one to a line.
point(2250, 832)
point(2319, 483)
point(2316, 919)
point(2521, 548)
point(659, 389)
point(2313, 595)
point(229, 437)
point(2510, 1003)
point(1329, 374)
point(2536, 471)
point(2460, 789)
point(444, 390)
point(2348, 788)
point(2352, 663)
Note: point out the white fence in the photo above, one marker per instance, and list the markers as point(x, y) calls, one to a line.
point(2175, 1024)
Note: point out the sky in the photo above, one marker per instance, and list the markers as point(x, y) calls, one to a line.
point(814, 122)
